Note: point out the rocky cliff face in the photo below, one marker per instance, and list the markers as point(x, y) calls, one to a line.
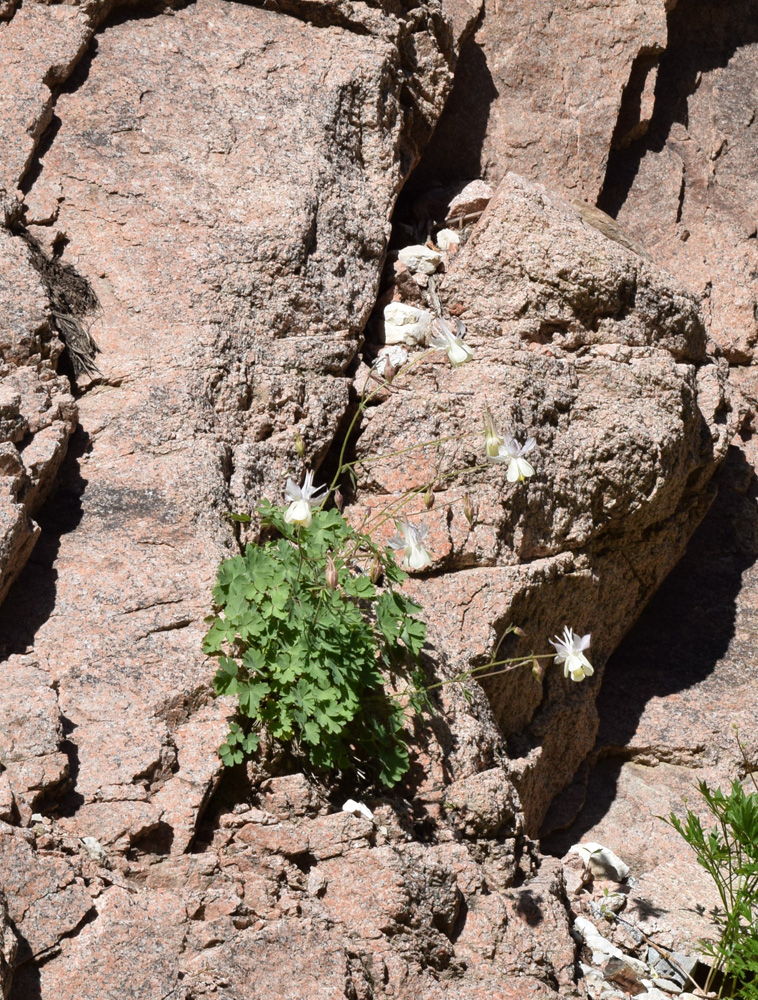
point(197, 204)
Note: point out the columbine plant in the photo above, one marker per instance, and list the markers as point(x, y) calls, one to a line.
point(309, 626)
point(303, 639)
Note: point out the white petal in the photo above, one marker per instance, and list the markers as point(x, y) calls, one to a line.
point(529, 445)
point(524, 468)
point(293, 491)
point(351, 806)
point(299, 512)
point(510, 446)
point(584, 641)
point(513, 471)
point(458, 352)
point(419, 558)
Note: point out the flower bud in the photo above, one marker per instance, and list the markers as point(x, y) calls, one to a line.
point(468, 509)
point(517, 630)
point(375, 570)
point(299, 445)
point(339, 500)
point(389, 371)
point(331, 572)
point(429, 498)
point(538, 670)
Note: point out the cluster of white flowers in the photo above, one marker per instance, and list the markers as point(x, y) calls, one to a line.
point(570, 647)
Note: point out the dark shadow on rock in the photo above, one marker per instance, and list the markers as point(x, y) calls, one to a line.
point(528, 907)
point(676, 643)
point(453, 155)
point(69, 801)
point(31, 599)
point(702, 36)
point(26, 983)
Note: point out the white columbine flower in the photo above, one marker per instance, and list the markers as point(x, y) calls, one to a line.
point(492, 439)
point(410, 538)
point(570, 652)
point(458, 352)
point(303, 498)
point(512, 452)
point(357, 809)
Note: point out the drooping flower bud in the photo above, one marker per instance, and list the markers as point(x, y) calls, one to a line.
point(429, 498)
point(299, 445)
point(538, 670)
point(375, 570)
point(389, 371)
point(331, 572)
point(339, 500)
point(517, 630)
point(468, 509)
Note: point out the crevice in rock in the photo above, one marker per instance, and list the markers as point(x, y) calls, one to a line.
point(72, 299)
point(701, 37)
point(631, 122)
point(31, 599)
point(330, 15)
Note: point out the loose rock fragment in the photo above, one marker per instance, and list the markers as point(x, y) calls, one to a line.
point(420, 259)
point(602, 862)
point(405, 324)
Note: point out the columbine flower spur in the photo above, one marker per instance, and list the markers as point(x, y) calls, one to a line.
point(513, 453)
point(492, 440)
point(303, 498)
point(410, 538)
point(458, 352)
point(570, 652)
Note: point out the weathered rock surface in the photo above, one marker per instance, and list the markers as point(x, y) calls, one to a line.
point(233, 232)
point(540, 90)
point(222, 178)
point(688, 188)
point(582, 344)
point(37, 411)
point(680, 682)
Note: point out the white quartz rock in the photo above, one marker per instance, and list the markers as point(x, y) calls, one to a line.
point(420, 258)
point(447, 238)
point(405, 324)
point(601, 860)
point(602, 949)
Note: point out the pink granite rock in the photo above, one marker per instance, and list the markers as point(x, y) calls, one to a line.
point(584, 345)
point(543, 86)
point(37, 412)
point(688, 189)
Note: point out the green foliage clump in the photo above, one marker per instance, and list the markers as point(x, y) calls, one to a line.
point(729, 853)
point(306, 652)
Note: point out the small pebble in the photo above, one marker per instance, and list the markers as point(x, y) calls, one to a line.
point(420, 258)
point(447, 238)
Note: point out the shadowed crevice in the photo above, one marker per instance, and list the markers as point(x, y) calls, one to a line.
point(31, 599)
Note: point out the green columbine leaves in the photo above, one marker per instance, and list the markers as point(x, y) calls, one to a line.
point(729, 853)
point(303, 657)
